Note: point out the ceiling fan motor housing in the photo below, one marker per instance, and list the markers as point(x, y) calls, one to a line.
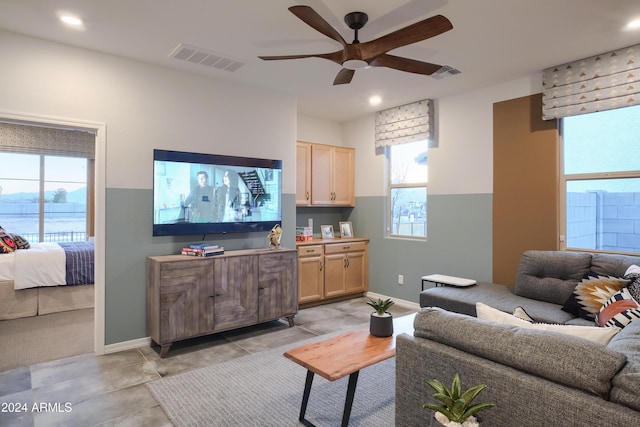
point(356, 20)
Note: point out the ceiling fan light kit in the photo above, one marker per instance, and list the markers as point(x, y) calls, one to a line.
point(357, 55)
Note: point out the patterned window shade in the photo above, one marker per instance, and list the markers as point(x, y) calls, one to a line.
point(602, 82)
point(407, 123)
point(19, 138)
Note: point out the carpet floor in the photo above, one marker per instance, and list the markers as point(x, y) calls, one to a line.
point(39, 339)
point(265, 389)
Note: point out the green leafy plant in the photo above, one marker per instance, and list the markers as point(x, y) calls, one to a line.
point(456, 405)
point(380, 306)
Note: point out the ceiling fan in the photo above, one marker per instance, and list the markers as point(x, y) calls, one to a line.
point(372, 53)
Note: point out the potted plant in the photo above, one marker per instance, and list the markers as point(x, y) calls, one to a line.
point(381, 324)
point(456, 408)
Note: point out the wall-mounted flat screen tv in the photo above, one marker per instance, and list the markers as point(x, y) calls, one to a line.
point(197, 193)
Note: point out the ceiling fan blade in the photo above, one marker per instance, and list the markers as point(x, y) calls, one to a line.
point(405, 64)
point(337, 57)
point(344, 77)
point(315, 21)
point(414, 33)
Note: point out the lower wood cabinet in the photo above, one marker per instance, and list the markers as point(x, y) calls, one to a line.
point(332, 269)
point(192, 296)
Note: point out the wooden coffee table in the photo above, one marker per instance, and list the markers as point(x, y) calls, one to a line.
point(344, 355)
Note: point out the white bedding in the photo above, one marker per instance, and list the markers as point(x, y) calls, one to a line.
point(41, 265)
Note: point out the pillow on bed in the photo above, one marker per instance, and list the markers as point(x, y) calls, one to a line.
point(21, 242)
point(7, 244)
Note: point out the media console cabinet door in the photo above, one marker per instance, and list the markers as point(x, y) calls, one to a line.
point(182, 297)
point(235, 291)
point(277, 285)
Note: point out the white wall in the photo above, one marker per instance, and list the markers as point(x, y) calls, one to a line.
point(462, 163)
point(145, 107)
point(320, 131)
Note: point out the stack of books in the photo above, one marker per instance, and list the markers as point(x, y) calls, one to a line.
point(202, 249)
point(304, 234)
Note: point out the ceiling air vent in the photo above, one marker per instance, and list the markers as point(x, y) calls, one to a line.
point(444, 72)
point(185, 52)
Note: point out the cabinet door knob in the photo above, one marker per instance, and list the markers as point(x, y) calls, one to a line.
point(320, 265)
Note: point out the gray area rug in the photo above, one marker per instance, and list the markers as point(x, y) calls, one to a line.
point(39, 339)
point(265, 389)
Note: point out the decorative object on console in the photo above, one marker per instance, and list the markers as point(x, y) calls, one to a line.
point(456, 408)
point(274, 237)
point(381, 324)
point(346, 229)
point(327, 231)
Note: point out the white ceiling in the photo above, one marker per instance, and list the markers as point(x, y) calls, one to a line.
point(492, 41)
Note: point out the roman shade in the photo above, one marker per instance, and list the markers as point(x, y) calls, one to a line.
point(406, 123)
point(602, 82)
point(18, 138)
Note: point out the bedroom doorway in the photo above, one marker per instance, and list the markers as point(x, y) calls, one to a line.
point(95, 205)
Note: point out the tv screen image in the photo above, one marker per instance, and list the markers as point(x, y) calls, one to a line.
point(198, 193)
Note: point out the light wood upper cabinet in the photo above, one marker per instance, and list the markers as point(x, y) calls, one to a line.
point(331, 178)
point(303, 174)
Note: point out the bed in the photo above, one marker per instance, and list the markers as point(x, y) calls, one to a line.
point(46, 278)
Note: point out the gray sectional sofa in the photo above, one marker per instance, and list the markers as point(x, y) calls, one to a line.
point(536, 378)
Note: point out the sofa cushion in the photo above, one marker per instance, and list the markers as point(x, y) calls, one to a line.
point(550, 276)
point(463, 300)
point(612, 265)
point(591, 333)
point(572, 361)
point(627, 383)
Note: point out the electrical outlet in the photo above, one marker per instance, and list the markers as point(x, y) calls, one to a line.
point(400, 279)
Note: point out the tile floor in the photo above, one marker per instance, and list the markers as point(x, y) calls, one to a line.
point(110, 390)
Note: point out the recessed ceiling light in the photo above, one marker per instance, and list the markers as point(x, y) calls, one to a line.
point(71, 20)
point(375, 100)
point(633, 25)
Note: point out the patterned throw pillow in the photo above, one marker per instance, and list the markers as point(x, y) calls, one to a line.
point(7, 244)
point(520, 313)
point(620, 310)
point(591, 294)
point(21, 242)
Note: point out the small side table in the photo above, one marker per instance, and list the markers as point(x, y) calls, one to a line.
point(441, 279)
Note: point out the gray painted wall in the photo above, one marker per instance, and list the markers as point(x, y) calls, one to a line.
point(129, 213)
point(458, 243)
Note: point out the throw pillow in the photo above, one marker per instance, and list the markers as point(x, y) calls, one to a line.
point(520, 313)
point(620, 310)
point(21, 242)
point(7, 244)
point(591, 333)
point(591, 294)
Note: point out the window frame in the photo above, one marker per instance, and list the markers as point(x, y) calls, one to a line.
point(389, 189)
point(562, 182)
point(90, 192)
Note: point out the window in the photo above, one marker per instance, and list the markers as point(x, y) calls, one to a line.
point(44, 198)
point(407, 190)
point(601, 180)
